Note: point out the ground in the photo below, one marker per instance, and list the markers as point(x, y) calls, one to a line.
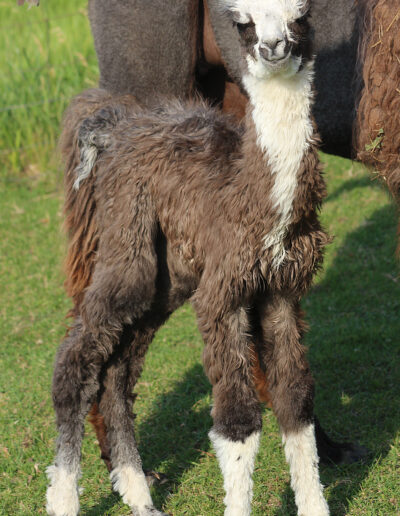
point(46, 56)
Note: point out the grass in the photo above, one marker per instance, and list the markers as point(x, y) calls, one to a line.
point(352, 309)
point(46, 57)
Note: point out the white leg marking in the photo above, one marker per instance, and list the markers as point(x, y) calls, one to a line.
point(301, 454)
point(236, 460)
point(62, 495)
point(132, 486)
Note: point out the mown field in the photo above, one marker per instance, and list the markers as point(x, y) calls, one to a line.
point(46, 56)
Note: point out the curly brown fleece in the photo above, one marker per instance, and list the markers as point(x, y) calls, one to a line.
point(377, 138)
point(140, 175)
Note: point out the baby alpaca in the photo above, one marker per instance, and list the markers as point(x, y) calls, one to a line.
point(189, 206)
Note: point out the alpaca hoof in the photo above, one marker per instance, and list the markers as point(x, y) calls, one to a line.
point(331, 452)
point(344, 453)
point(155, 478)
point(351, 453)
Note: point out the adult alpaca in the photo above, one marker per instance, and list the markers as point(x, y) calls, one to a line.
point(358, 105)
point(357, 70)
point(377, 126)
point(188, 204)
point(139, 53)
point(198, 51)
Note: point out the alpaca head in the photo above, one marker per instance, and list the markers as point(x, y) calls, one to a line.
point(274, 35)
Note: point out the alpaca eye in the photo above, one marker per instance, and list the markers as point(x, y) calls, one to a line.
point(243, 27)
point(303, 19)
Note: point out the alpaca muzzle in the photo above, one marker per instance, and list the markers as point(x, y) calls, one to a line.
point(274, 49)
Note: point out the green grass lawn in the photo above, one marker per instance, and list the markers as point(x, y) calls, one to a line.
point(46, 56)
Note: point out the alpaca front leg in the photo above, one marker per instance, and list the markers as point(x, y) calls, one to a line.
point(292, 392)
point(236, 412)
point(301, 454)
point(62, 497)
point(236, 460)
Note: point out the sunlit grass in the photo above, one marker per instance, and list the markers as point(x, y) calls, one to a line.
point(46, 57)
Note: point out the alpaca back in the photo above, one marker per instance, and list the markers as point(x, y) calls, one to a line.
point(125, 133)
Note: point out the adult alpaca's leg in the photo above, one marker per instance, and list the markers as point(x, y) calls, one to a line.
point(115, 405)
point(139, 53)
point(236, 410)
point(292, 393)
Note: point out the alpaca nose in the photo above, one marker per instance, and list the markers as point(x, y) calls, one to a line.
point(273, 49)
point(272, 43)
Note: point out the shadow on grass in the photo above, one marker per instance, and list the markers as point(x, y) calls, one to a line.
point(354, 353)
point(176, 434)
point(106, 504)
point(347, 186)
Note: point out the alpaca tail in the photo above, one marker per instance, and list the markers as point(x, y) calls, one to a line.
point(93, 137)
point(87, 122)
point(79, 205)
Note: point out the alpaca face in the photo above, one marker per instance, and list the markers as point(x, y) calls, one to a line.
point(274, 34)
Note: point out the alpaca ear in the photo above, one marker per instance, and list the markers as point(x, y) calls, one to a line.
point(30, 2)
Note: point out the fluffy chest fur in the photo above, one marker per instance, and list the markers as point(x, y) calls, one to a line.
point(281, 116)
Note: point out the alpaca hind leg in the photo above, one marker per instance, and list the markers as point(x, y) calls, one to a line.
point(75, 385)
point(129, 368)
point(116, 296)
point(292, 392)
point(115, 405)
point(97, 420)
point(236, 411)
